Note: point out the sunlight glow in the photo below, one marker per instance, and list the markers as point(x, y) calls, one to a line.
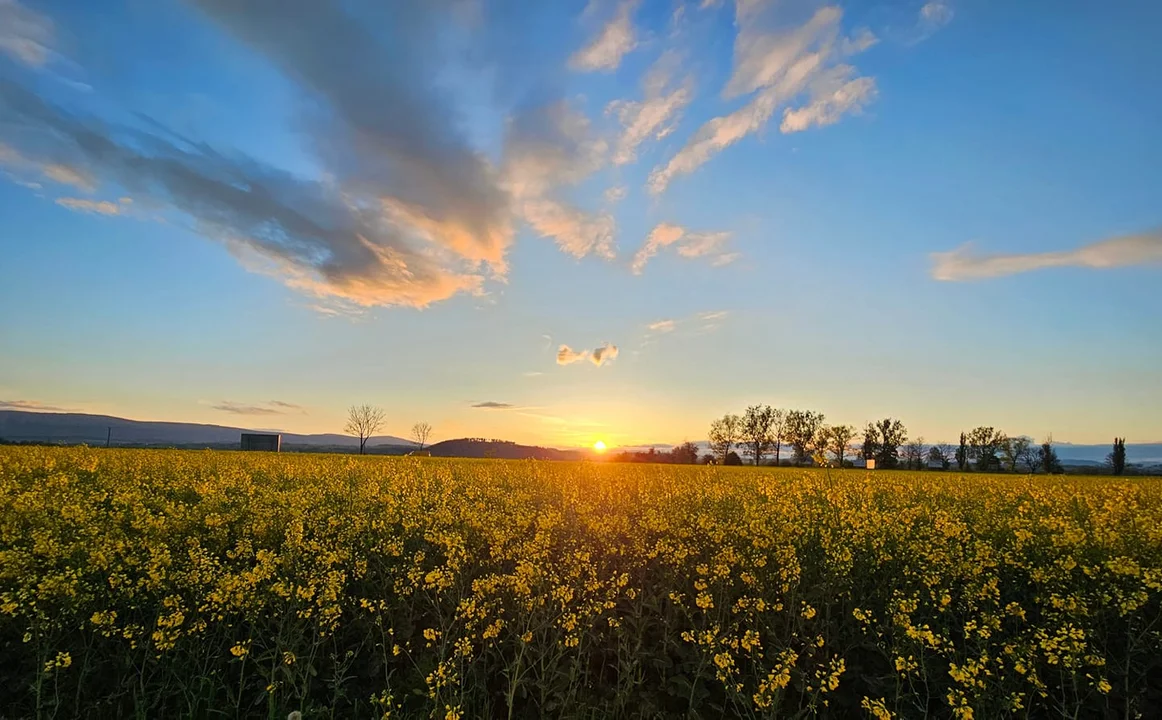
point(599, 446)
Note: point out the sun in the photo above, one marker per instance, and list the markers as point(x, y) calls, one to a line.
point(599, 446)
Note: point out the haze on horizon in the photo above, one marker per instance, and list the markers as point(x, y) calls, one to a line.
point(559, 223)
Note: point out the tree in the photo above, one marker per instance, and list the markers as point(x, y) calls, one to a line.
point(915, 454)
point(363, 421)
point(1117, 459)
point(1031, 456)
point(420, 433)
point(732, 458)
point(757, 426)
point(962, 453)
point(1049, 459)
point(835, 439)
point(871, 445)
point(778, 430)
point(725, 433)
point(802, 428)
point(983, 445)
point(942, 454)
point(685, 454)
point(1014, 450)
point(886, 435)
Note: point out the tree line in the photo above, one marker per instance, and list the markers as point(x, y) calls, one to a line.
point(768, 435)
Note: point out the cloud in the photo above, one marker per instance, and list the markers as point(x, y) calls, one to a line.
point(725, 259)
point(603, 354)
point(712, 315)
point(690, 245)
point(598, 356)
point(30, 406)
point(832, 96)
point(933, 16)
point(616, 194)
point(965, 264)
point(774, 62)
point(656, 114)
point(272, 407)
point(662, 326)
point(25, 35)
point(493, 405)
point(102, 207)
point(58, 173)
point(567, 355)
point(615, 40)
point(547, 147)
point(406, 211)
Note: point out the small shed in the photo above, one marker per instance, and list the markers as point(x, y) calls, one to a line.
point(871, 464)
point(263, 442)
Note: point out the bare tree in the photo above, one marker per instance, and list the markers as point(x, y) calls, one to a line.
point(778, 430)
point(914, 453)
point(363, 421)
point(420, 433)
point(1015, 450)
point(941, 453)
point(1031, 456)
point(725, 433)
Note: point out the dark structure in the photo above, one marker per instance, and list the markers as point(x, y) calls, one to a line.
point(266, 442)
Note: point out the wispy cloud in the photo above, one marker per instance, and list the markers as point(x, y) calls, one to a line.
point(689, 244)
point(19, 164)
point(774, 63)
point(29, 405)
point(25, 36)
point(548, 147)
point(612, 43)
point(616, 194)
point(656, 114)
point(933, 16)
point(599, 356)
point(964, 263)
point(662, 326)
point(270, 407)
point(100, 207)
point(493, 405)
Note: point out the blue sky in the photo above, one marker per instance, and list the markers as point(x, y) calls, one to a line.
point(617, 219)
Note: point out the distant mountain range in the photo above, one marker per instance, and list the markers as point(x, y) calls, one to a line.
point(75, 428)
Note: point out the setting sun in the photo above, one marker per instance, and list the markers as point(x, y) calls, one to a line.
point(599, 446)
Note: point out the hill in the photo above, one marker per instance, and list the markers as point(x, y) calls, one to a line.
point(75, 428)
point(501, 449)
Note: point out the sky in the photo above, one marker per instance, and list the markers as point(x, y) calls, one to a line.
point(557, 223)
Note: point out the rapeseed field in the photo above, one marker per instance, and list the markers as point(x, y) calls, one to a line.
point(161, 584)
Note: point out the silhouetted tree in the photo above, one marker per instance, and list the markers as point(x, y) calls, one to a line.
point(962, 453)
point(1049, 460)
point(421, 431)
point(1117, 459)
point(802, 428)
point(709, 459)
point(887, 435)
point(914, 454)
point(1031, 456)
point(685, 454)
point(871, 446)
point(942, 454)
point(983, 445)
point(732, 458)
point(363, 421)
point(757, 425)
point(835, 439)
point(778, 431)
point(725, 433)
point(1014, 450)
